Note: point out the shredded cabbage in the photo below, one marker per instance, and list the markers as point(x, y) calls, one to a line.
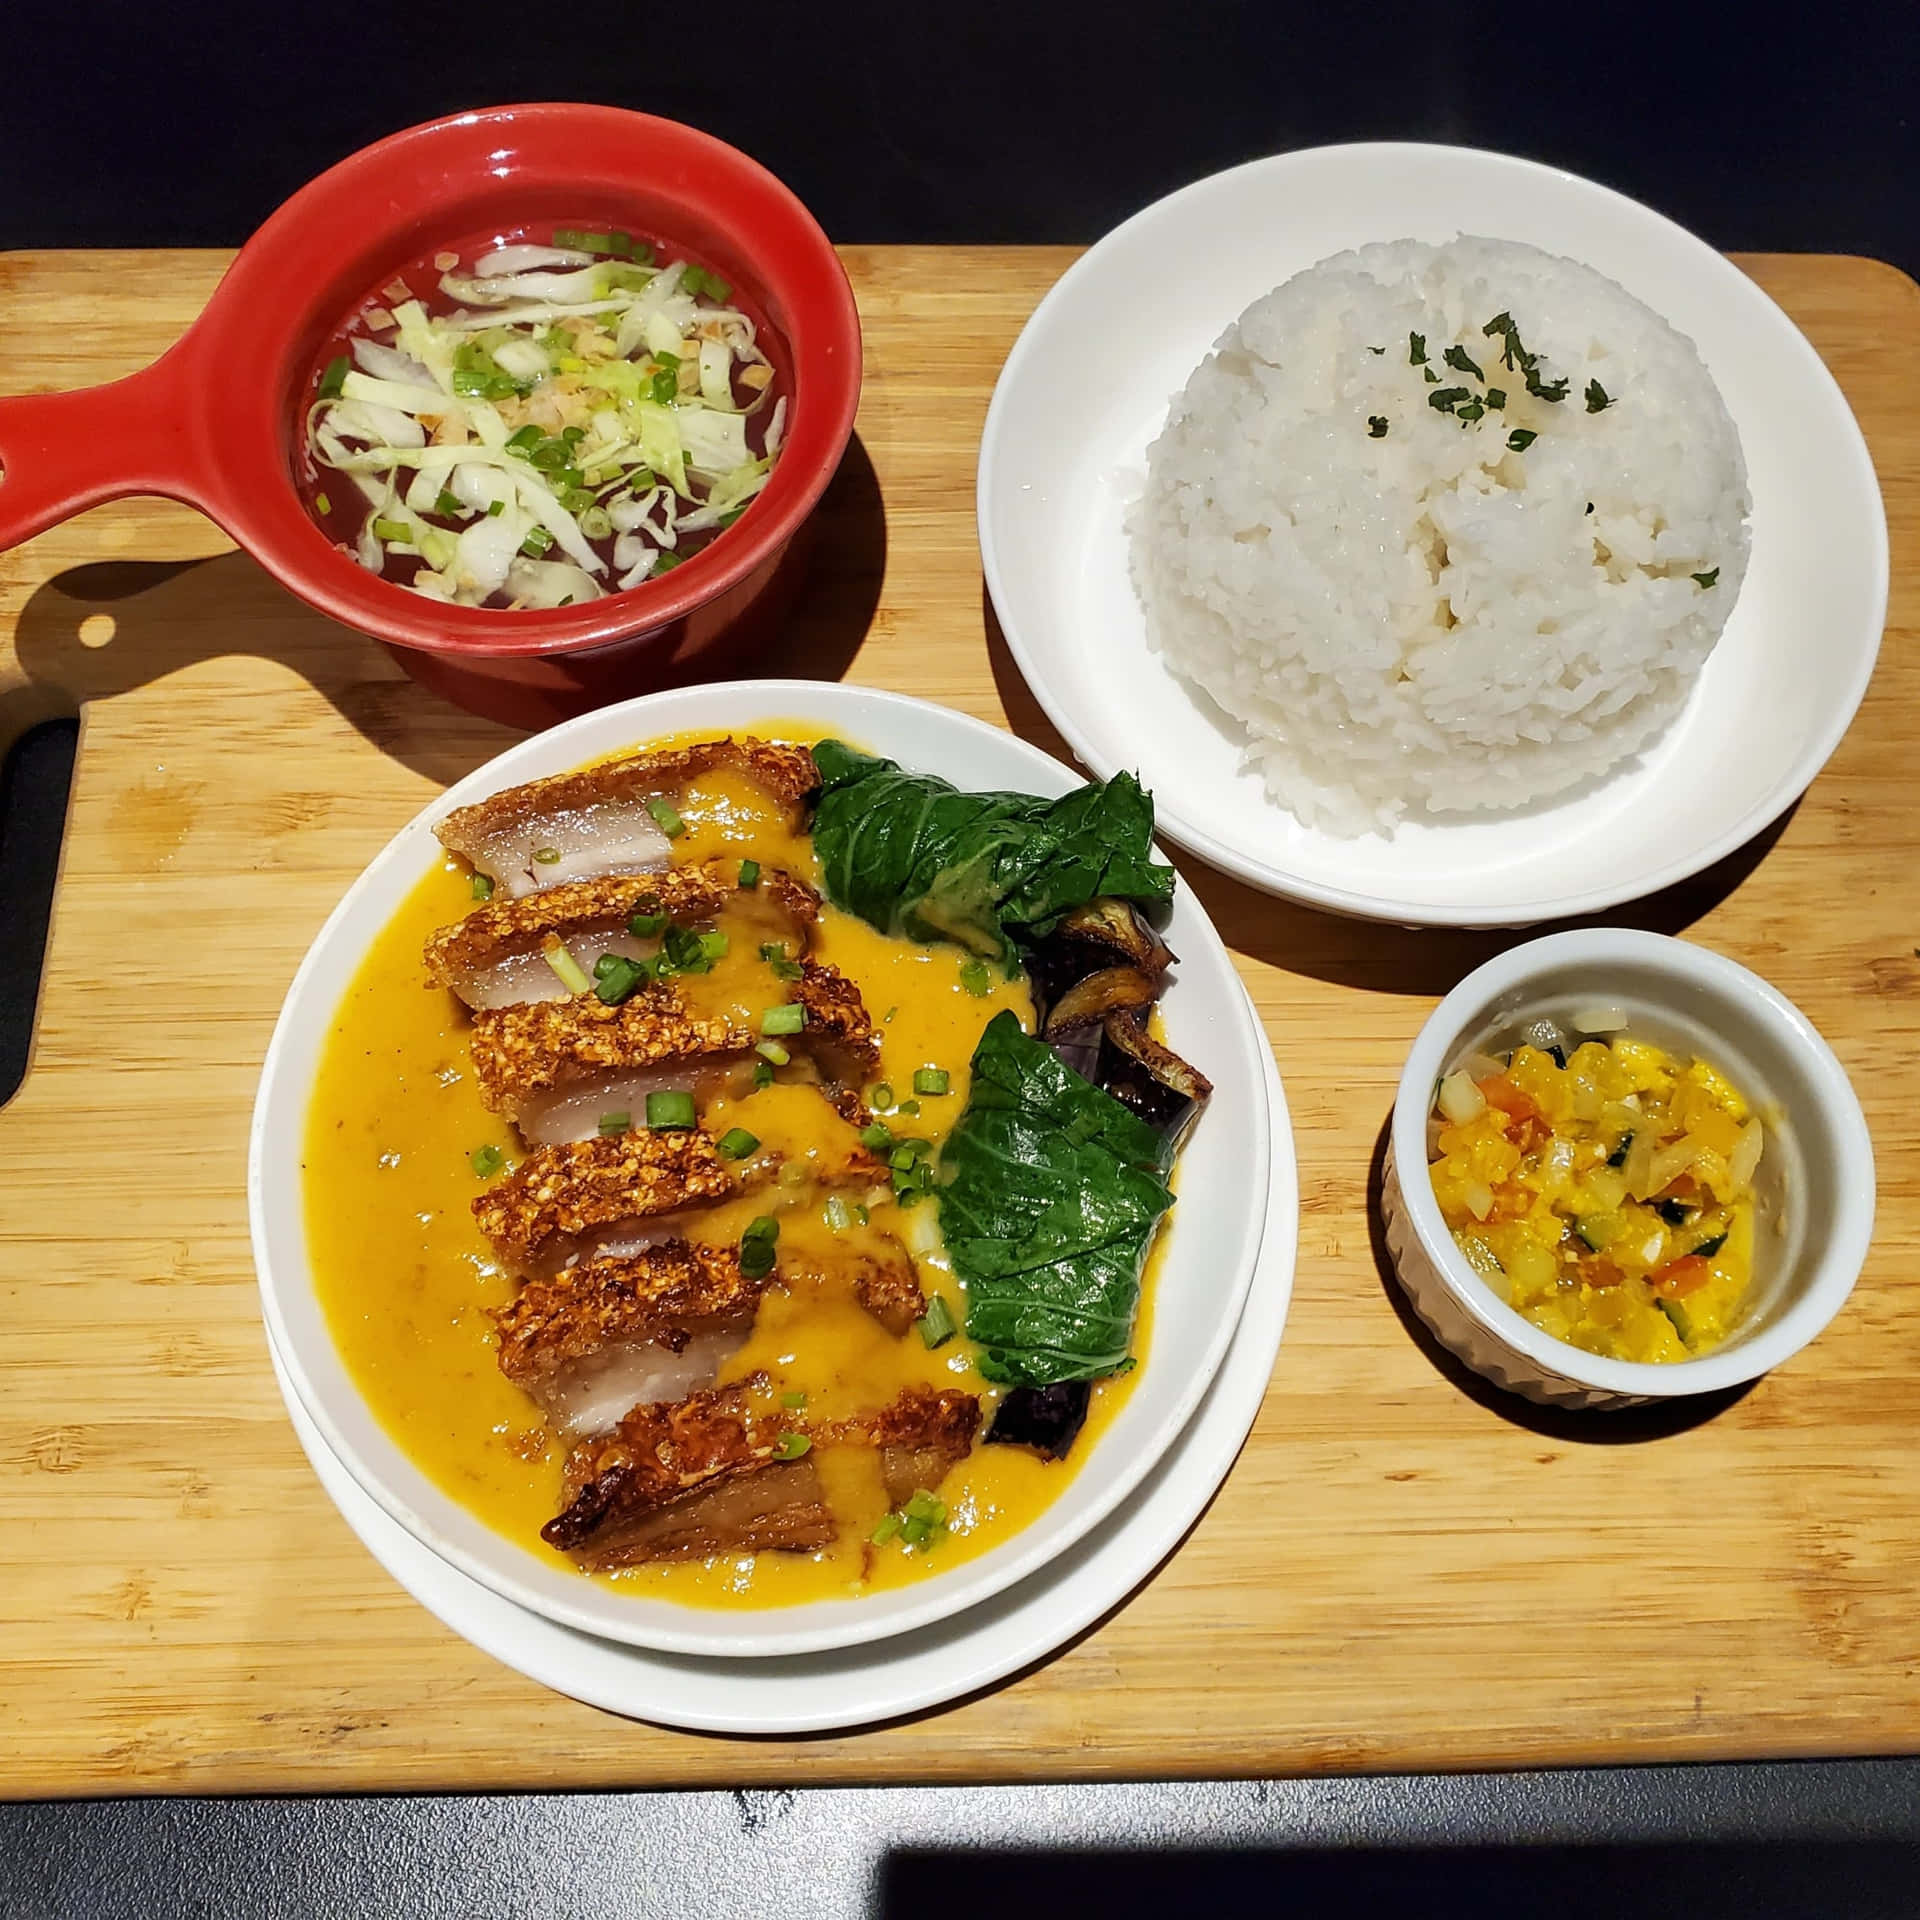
point(570, 421)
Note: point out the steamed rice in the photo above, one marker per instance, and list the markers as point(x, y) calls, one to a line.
point(1406, 615)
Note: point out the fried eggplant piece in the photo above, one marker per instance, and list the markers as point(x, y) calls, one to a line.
point(1045, 1419)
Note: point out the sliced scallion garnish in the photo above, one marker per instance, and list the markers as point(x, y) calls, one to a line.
point(756, 1247)
point(936, 1326)
point(567, 969)
point(670, 1111)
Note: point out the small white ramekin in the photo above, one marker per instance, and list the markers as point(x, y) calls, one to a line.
point(1673, 991)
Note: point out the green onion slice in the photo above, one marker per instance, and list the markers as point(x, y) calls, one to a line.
point(571, 974)
point(665, 818)
point(931, 1080)
point(783, 1020)
point(736, 1143)
point(670, 1110)
point(937, 1323)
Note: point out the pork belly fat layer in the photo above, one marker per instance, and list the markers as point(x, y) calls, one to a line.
point(495, 958)
point(558, 1194)
point(576, 826)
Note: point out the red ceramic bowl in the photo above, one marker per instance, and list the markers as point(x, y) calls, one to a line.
point(217, 421)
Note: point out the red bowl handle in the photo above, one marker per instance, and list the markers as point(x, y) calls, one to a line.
point(61, 453)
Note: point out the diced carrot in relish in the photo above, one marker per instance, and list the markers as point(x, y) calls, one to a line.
point(1498, 1091)
point(1682, 1277)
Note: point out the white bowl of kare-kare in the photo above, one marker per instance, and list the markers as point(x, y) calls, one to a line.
point(1624, 1168)
point(713, 1178)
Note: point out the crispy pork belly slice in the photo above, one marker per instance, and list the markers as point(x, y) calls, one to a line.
point(684, 1481)
point(882, 1274)
point(582, 1052)
point(703, 1476)
point(578, 826)
point(601, 1337)
point(496, 956)
point(922, 1437)
point(560, 1200)
point(615, 1197)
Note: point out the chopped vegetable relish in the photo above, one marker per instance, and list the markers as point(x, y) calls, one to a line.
point(1610, 1199)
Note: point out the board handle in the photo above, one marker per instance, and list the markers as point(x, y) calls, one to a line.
point(61, 453)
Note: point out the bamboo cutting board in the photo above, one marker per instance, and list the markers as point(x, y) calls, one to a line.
point(1404, 1570)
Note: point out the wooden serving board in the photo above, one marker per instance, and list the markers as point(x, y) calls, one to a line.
point(1405, 1570)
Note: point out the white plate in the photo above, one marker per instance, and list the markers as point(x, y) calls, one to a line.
point(813, 1693)
point(1215, 1230)
point(1086, 389)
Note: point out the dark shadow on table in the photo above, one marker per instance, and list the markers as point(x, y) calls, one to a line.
point(1370, 955)
point(1592, 1426)
point(1747, 1881)
point(113, 625)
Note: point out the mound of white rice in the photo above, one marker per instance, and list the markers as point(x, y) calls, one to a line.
point(1407, 614)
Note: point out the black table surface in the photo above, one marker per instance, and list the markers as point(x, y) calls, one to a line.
point(1793, 130)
